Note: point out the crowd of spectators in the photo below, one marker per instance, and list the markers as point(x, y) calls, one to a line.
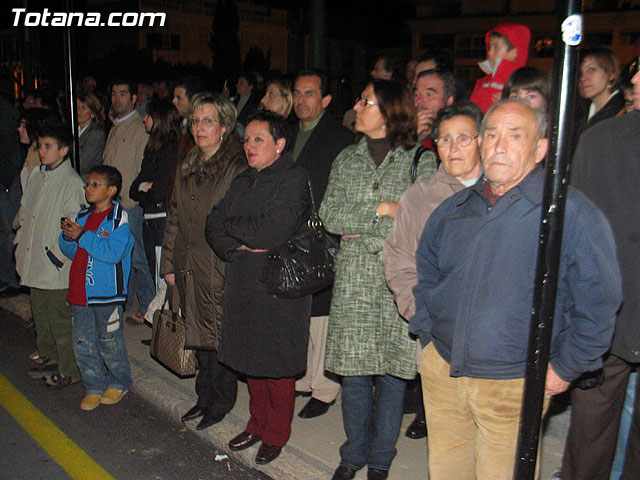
point(434, 196)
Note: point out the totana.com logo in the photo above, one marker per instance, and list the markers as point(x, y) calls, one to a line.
point(22, 18)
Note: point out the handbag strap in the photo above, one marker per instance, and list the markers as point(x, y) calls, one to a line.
point(416, 159)
point(313, 202)
point(173, 297)
point(314, 222)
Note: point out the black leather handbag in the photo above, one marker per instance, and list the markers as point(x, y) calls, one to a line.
point(304, 264)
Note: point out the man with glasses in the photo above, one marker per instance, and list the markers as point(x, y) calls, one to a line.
point(476, 267)
point(606, 168)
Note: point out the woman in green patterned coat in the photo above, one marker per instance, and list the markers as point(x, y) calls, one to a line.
point(368, 343)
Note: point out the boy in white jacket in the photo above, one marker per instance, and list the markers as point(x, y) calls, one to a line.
point(54, 191)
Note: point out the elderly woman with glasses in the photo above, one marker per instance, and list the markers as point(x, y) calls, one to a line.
point(188, 263)
point(368, 344)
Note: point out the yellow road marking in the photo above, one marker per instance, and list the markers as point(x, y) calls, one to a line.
point(61, 448)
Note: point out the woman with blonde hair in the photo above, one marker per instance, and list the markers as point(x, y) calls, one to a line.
point(91, 138)
point(278, 97)
point(188, 263)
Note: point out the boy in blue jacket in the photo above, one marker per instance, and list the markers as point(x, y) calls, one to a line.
point(99, 242)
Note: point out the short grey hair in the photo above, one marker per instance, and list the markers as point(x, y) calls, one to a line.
point(448, 81)
point(539, 115)
point(227, 112)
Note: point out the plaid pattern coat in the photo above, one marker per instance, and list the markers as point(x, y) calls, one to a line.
point(366, 334)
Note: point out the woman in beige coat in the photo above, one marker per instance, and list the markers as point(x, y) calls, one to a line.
point(188, 263)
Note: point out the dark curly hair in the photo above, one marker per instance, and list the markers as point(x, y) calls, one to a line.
point(396, 106)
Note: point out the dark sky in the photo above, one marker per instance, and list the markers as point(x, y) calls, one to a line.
point(377, 24)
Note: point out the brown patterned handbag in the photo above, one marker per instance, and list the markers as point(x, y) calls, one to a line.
point(167, 339)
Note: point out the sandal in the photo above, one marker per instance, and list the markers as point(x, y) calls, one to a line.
point(58, 381)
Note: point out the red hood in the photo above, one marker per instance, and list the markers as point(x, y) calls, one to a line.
point(519, 36)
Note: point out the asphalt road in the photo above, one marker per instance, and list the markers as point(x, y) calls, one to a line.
point(129, 440)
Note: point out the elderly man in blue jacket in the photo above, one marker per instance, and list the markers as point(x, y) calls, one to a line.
point(476, 265)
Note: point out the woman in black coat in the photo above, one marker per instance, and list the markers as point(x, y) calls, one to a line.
point(598, 85)
point(263, 336)
point(162, 123)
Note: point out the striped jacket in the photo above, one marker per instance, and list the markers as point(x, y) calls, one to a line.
point(109, 250)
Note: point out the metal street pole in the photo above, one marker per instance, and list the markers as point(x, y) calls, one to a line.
point(563, 101)
point(69, 48)
point(317, 35)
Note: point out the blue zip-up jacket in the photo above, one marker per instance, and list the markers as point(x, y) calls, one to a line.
point(109, 250)
point(476, 269)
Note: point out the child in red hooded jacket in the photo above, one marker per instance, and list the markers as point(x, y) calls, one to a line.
point(507, 50)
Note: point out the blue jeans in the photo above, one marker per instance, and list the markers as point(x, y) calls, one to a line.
point(625, 425)
point(140, 281)
point(372, 414)
point(101, 355)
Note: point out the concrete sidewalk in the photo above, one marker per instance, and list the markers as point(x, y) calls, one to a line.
point(312, 451)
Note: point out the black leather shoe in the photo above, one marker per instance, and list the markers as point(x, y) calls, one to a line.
point(242, 441)
point(194, 412)
point(315, 408)
point(267, 453)
point(417, 429)
point(208, 420)
point(343, 473)
point(377, 474)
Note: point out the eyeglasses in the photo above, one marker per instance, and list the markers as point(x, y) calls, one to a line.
point(462, 140)
point(633, 66)
point(365, 102)
point(95, 185)
point(206, 122)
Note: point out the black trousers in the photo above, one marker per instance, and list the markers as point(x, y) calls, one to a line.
point(216, 385)
point(152, 236)
point(595, 421)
